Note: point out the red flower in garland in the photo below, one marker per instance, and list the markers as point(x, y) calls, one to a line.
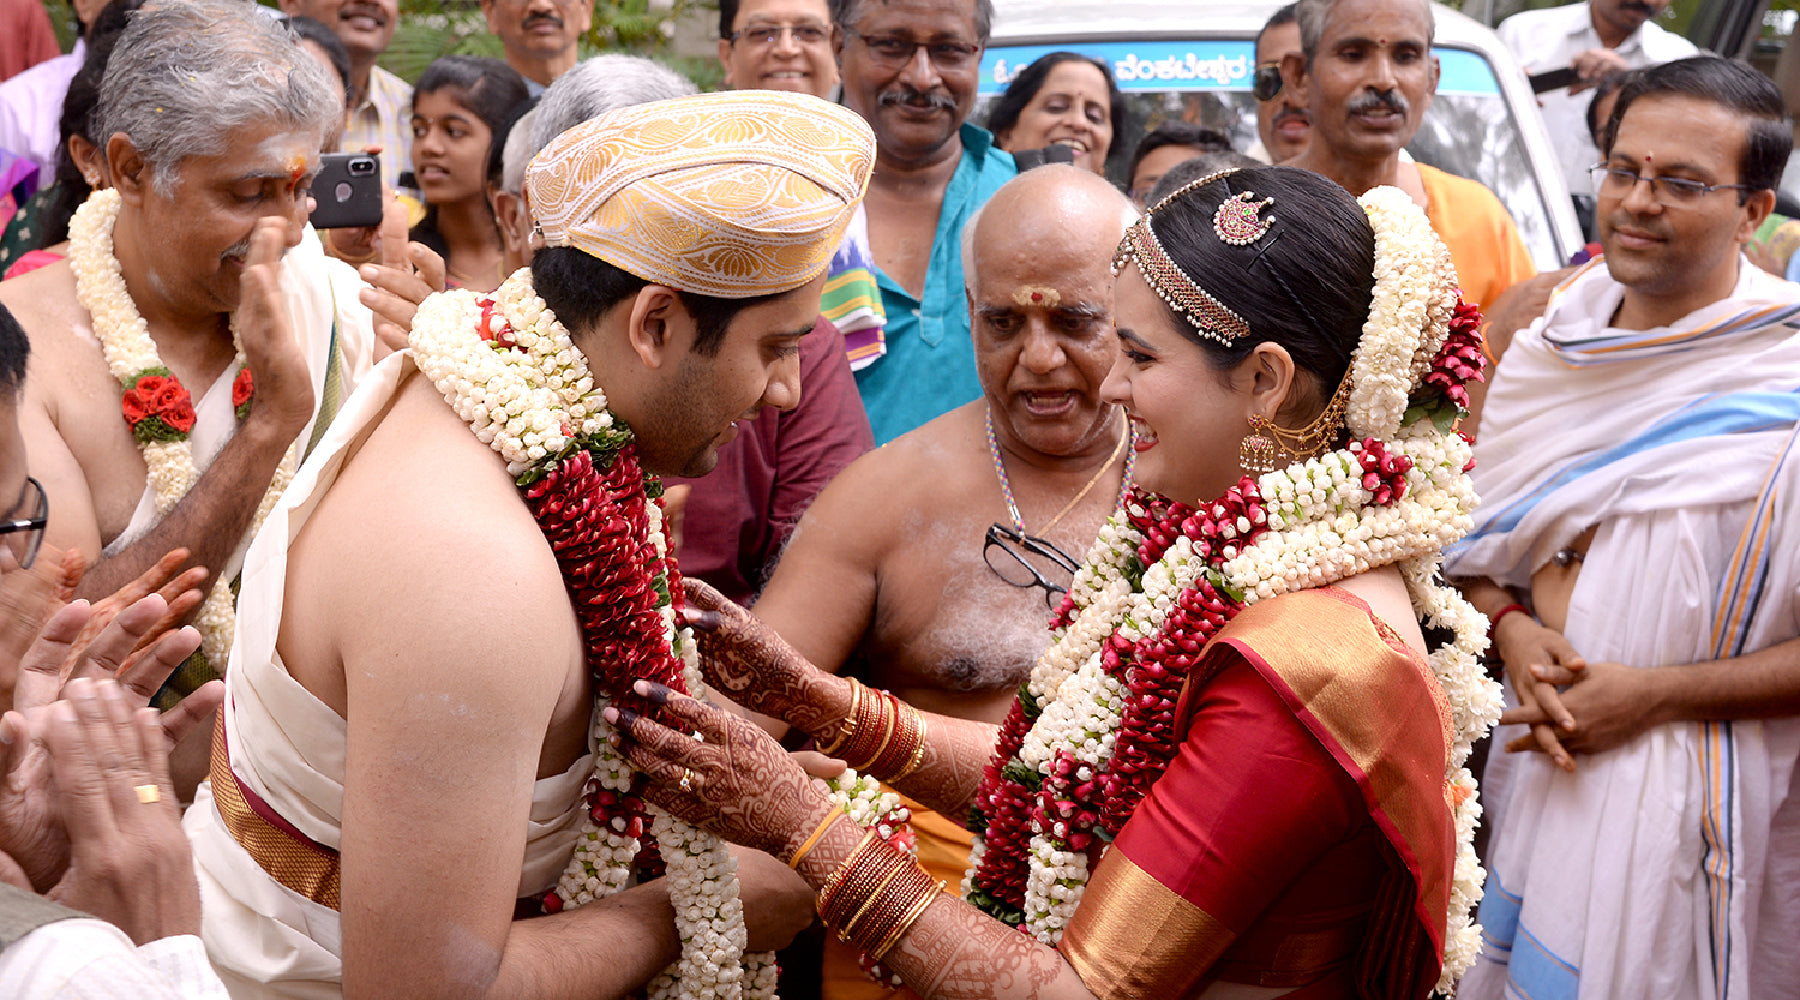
point(1384, 472)
point(1460, 361)
point(242, 389)
point(158, 407)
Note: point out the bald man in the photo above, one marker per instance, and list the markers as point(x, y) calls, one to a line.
point(930, 566)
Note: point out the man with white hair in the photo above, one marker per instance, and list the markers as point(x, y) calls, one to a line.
point(931, 565)
point(189, 289)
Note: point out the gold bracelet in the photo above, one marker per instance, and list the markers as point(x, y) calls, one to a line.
point(819, 831)
point(911, 917)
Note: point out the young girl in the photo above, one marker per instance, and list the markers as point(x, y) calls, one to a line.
point(460, 102)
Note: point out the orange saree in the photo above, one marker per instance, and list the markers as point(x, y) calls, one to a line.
point(1302, 839)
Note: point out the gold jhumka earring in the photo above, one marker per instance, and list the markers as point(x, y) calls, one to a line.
point(1268, 447)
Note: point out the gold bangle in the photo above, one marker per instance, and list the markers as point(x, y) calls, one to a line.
point(839, 874)
point(911, 917)
point(858, 890)
point(847, 730)
point(900, 899)
point(874, 894)
point(890, 721)
point(818, 831)
point(918, 754)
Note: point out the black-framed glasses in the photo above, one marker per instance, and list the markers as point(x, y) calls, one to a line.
point(23, 537)
point(1022, 561)
point(894, 52)
point(1668, 190)
point(763, 35)
point(1266, 83)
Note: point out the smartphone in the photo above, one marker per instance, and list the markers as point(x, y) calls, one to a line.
point(348, 192)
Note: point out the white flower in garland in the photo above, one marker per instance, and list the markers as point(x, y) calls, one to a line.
point(534, 405)
point(132, 358)
point(1324, 525)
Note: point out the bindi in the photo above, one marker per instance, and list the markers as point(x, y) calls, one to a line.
point(1037, 295)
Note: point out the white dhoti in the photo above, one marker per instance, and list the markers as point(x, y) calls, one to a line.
point(1668, 867)
point(286, 748)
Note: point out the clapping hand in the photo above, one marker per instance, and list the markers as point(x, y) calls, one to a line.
point(128, 861)
point(129, 637)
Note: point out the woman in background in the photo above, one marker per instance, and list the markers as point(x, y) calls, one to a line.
point(459, 103)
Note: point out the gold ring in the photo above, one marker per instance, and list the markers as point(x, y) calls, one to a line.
point(687, 780)
point(147, 794)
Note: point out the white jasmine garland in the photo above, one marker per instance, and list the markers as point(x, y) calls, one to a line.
point(1323, 526)
point(125, 342)
point(533, 405)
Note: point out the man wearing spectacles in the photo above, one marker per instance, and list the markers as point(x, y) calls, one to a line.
point(778, 45)
point(1281, 119)
point(1639, 461)
point(910, 68)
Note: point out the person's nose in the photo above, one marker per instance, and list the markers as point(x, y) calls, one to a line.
point(1042, 353)
point(783, 390)
point(1382, 76)
point(920, 72)
point(786, 44)
point(1641, 199)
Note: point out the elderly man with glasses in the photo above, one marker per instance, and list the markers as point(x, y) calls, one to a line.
point(910, 68)
point(931, 566)
point(1634, 551)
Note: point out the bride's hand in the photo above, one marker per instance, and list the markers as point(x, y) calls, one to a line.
point(740, 784)
point(747, 662)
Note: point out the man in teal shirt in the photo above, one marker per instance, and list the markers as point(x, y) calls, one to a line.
point(910, 68)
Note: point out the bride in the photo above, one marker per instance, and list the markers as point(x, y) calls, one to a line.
point(1238, 769)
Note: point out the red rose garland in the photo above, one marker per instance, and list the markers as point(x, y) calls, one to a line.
point(157, 406)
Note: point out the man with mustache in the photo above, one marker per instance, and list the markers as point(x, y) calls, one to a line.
point(193, 343)
point(910, 68)
point(1634, 552)
point(1366, 74)
point(1282, 123)
point(1594, 38)
point(539, 36)
point(927, 568)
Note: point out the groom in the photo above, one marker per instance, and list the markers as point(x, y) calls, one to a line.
point(408, 712)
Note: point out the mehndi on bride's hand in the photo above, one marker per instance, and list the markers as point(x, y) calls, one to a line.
point(746, 661)
point(720, 771)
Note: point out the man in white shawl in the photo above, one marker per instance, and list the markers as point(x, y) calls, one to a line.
point(1640, 513)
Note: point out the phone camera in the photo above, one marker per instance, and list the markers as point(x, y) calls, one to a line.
point(362, 168)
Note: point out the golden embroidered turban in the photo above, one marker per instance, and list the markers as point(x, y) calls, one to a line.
point(731, 195)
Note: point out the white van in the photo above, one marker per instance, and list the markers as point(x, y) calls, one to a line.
point(1193, 60)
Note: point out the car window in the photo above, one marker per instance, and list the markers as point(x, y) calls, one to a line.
point(1469, 130)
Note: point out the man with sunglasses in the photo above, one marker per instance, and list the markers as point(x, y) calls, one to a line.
point(1282, 123)
point(931, 566)
point(1635, 553)
point(910, 68)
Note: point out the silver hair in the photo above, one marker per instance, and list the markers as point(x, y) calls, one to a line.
point(1312, 15)
point(186, 74)
point(1128, 214)
point(517, 153)
point(594, 87)
point(849, 13)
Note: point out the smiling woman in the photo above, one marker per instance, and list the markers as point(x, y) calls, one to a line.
point(1066, 99)
point(458, 106)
